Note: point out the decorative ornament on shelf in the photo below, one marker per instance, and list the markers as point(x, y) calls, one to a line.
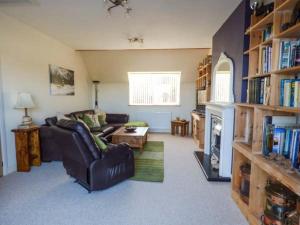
point(116, 3)
point(24, 101)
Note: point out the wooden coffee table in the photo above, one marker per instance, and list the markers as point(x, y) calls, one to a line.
point(135, 139)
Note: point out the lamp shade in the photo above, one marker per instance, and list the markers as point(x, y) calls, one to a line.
point(24, 101)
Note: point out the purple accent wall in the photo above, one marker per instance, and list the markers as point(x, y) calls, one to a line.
point(231, 40)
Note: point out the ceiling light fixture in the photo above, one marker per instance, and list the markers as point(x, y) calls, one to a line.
point(116, 3)
point(136, 40)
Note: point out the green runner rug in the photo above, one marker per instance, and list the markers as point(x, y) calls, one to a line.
point(149, 165)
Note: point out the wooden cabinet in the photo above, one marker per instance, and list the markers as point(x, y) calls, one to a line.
point(27, 148)
point(198, 127)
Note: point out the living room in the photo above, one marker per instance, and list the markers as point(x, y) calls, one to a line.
point(142, 112)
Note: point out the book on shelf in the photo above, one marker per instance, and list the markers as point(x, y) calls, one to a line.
point(290, 92)
point(281, 135)
point(267, 32)
point(266, 59)
point(259, 91)
point(289, 55)
point(248, 129)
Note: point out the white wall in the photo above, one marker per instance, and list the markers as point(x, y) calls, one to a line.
point(114, 98)
point(111, 68)
point(25, 55)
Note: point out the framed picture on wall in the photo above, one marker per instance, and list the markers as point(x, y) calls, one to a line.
point(61, 81)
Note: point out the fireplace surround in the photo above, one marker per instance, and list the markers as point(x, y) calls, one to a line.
point(216, 159)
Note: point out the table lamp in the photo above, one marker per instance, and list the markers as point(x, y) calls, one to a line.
point(24, 101)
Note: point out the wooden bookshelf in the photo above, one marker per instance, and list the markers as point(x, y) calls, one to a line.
point(203, 80)
point(247, 147)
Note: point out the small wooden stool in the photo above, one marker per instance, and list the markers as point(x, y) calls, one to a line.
point(182, 125)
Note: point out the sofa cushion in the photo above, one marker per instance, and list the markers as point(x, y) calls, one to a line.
point(101, 145)
point(51, 121)
point(86, 126)
point(79, 114)
point(116, 118)
point(91, 120)
point(101, 116)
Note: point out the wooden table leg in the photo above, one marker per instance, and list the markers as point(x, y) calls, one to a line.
point(187, 129)
point(172, 129)
point(182, 127)
point(177, 129)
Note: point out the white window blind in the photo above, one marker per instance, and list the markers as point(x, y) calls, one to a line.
point(154, 88)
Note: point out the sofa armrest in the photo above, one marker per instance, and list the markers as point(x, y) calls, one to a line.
point(119, 151)
point(117, 118)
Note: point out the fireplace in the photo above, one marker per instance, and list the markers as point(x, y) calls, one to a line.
point(215, 141)
point(216, 159)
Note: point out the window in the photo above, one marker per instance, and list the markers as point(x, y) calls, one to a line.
point(154, 88)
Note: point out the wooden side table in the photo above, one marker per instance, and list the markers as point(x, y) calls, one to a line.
point(182, 125)
point(27, 148)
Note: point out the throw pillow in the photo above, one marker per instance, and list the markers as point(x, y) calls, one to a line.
point(93, 119)
point(101, 145)
point(88, 120)
point(61, 116)
point(81, 121)
point(101, 118)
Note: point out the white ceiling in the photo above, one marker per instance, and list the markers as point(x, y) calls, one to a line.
point(164, 24)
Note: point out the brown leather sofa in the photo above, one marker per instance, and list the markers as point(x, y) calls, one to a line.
point(50, 148)
point(93, 169)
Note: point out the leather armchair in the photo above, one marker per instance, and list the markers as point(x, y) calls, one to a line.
point(93, 169)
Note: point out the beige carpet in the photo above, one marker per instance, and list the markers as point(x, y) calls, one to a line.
point(47, 196)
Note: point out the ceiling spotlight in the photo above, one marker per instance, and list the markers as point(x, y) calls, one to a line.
point(116, 3)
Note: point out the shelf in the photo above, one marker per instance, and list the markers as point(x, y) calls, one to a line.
point(242, 205)
point(204, 67)
point(291, 180)
point(267, 42)
point(256, 47)
point(292, 32)
point(260, 75)
point(243, 148)
point(247, 32)
point(289, 4)
point(254, 219)
point(291, 70)
point(263, 22)
point(245, 105)
point(270, 108)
